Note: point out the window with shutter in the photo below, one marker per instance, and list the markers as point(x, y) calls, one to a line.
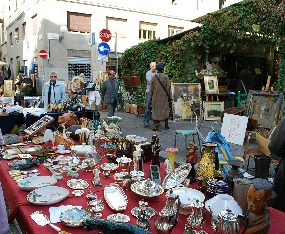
point(147, 31)
point(78, 22)
point(118, 26)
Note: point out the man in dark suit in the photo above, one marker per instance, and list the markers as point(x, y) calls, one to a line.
point(109, 92)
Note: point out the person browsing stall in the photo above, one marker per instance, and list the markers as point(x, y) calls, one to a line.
point(54, 91)
point(148, 77)
point(160, 95)
point(109, 92)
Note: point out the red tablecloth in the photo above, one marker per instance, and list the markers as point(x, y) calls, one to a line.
point(21, 209)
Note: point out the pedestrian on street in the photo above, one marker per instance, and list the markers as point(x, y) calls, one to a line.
point(109, 92)
point(54, 91)
point(148, 77)
point(160, 96)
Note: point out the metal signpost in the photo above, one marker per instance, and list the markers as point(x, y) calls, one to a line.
point(43, 54)
point(103, 49)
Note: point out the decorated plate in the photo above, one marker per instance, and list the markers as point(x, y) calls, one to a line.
point(109, 166)
point(147, 188)
point(47, 195)
point(121, 218)
point(115, 197)
point(148, 210)
point(74, 217)
point(177, 176)
point(31, 183)
point(77, 184)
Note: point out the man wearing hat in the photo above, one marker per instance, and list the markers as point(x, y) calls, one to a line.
point(18, 81)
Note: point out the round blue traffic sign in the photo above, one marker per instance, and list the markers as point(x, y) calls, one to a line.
point(103, 48)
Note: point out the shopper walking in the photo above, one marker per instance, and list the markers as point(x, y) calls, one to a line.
point(160, 96)
point(54, 91)
point(149, 75)
point(109, 92)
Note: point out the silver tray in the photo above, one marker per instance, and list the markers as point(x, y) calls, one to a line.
point(148, 210)
point(77, 184)
point(115, 197)
point(121, 218)
point(74, 217)
point(177, 176)
point(109, 166)
point(147, 188)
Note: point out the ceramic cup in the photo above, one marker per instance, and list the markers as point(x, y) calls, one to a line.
point(60, 148)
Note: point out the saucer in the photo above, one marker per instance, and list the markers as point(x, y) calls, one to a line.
point(63, 152)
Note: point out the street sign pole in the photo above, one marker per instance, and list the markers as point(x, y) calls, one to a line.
point(117, 58)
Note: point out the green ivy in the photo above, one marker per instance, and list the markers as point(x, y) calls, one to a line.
point(249, 21)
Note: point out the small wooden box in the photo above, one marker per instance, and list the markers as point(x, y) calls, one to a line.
point(134, 109)
point(128, 107)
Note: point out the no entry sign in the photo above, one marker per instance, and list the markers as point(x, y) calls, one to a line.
point(105, 35)
point(43, 53)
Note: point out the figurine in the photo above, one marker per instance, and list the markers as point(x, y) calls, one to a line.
point(96, 182)
point(155, 150)
point(168, 167)
point(69, 119)
point(192, 158)
point(258, 195)
point(49, 136)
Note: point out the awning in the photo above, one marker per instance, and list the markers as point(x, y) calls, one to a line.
point(3, 64)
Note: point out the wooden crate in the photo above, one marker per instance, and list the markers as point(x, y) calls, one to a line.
point(134, 109)
point(128, 107)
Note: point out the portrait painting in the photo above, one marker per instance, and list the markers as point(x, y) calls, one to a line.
point(186, 98)
point(211, 84)
point(8, 88)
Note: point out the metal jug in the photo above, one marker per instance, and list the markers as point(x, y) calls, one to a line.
point(227, 223)
point(196, 217)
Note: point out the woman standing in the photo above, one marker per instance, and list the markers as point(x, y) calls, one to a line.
point(160, 96)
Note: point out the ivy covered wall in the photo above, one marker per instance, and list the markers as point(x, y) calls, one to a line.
point(249, 21)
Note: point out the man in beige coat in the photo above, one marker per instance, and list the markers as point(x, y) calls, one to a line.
point(160, 95)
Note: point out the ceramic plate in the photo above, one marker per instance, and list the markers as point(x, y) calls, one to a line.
point(177, 176)
point(63, 152)
point(31, 183)
point(121, 218)
point(187, 196)
point(38, 140)
point(115, 197)
point(109, 166)
point(74, 217)
point(77, 184)
point(47, 195)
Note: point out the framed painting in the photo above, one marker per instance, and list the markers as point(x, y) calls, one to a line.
point(223, 89)
point(211, 84)
point(8, 88)
point(266, 108)
point(185, 98)
point(213, 110)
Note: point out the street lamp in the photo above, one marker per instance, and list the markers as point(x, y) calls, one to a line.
point(63, 29)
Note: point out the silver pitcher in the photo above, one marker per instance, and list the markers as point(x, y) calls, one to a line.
point(227, 223)
point(196, 217)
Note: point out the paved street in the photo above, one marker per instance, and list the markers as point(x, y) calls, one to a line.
point(132, 124)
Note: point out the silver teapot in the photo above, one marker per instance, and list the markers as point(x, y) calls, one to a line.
point(195, 220)
point(227, 223)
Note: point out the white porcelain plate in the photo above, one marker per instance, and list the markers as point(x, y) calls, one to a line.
point(74, 217)
point(31, 183)
point(47, 195)
point(109, 166)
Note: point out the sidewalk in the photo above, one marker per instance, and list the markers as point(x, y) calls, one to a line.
point(132, 124)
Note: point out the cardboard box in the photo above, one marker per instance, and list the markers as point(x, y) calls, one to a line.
point(262, 143)
point(134, 109)
point(128, 107)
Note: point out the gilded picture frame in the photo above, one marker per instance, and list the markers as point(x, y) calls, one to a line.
point(185, 98)
point(211, 84)
point(8, 88)
point(213, 110)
